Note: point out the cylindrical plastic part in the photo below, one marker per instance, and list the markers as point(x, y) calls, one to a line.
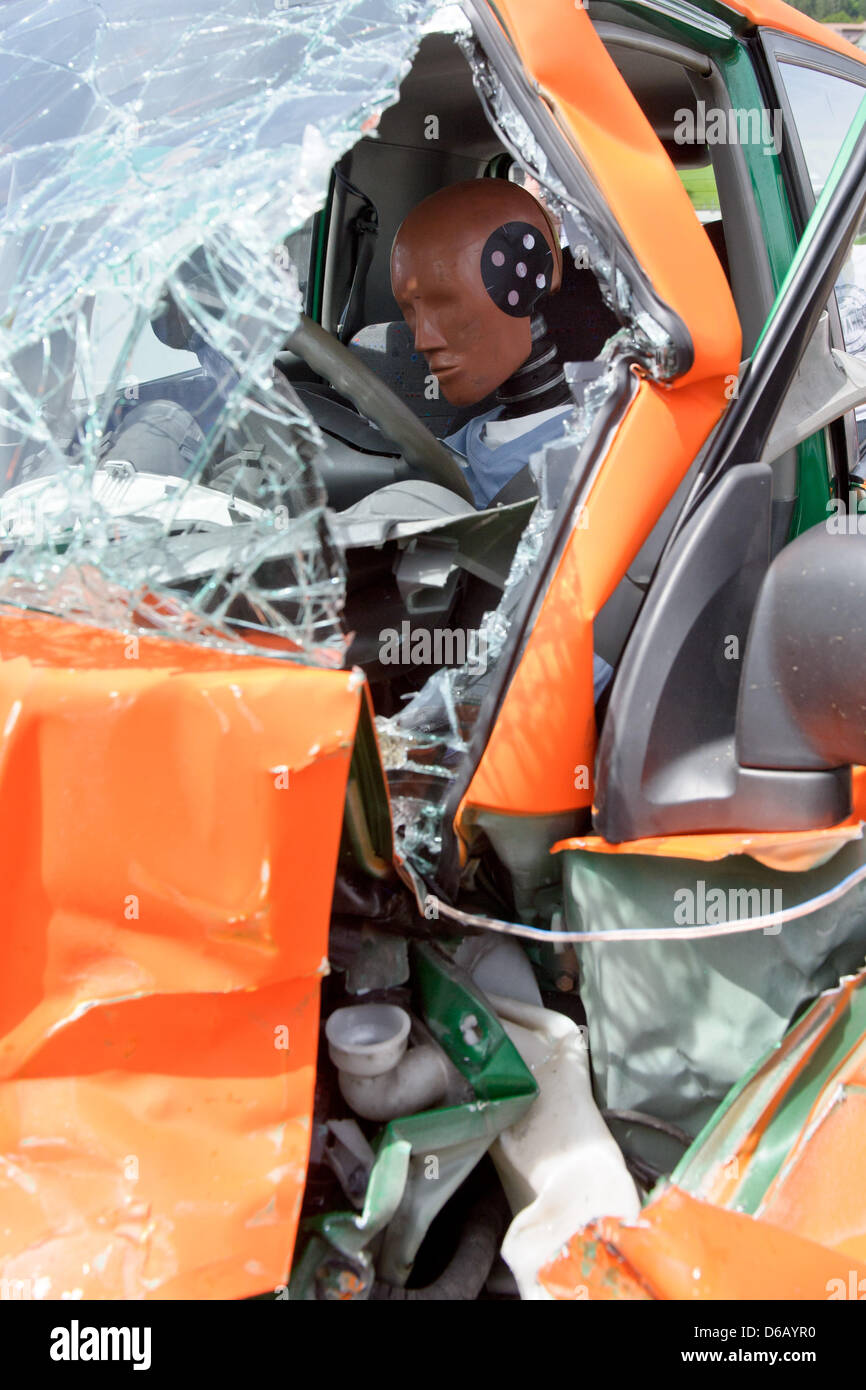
point(418, 1082)
point(367, 1039)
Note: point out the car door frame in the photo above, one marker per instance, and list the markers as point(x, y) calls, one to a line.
point(740, 442)
point(776, 49)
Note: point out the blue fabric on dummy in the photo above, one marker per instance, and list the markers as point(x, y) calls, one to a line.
point(488, 470)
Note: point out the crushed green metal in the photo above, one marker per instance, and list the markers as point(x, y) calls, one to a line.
point(765, 1086)
point(421, 1159)
point(723, 1010)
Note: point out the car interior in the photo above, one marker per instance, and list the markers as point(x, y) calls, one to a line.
point(347, 287)
point(444, 566)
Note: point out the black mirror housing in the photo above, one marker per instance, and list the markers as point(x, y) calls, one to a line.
point(802, 701)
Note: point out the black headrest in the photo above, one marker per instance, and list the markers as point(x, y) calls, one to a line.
point(577, 317)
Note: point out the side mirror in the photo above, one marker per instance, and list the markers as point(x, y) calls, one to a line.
point(828, 382)
point(802, 702)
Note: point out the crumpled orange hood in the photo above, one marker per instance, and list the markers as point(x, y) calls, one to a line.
point(169, 826)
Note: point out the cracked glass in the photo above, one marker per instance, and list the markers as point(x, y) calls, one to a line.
point(159, 167)
point(425, 742)
point(161, 170)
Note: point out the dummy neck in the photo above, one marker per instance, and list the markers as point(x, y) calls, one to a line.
point(539, 384)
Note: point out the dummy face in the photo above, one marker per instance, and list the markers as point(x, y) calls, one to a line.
point(468, 266)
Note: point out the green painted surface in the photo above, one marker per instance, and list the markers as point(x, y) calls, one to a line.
point(746, 1101)
point(472, 1036)
point(700, 184)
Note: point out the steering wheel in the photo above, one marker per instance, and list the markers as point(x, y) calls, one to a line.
point(331, 359)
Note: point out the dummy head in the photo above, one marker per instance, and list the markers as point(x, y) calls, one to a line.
point(468, 267)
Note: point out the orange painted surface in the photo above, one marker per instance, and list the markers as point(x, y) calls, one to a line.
point(683, 1248)
point(594, 1271)
point(166, 900)
point(794, 850)
point(820, 1192)
point(562, 52)
point(772, 14)
point(545, 729)
point(533, 760)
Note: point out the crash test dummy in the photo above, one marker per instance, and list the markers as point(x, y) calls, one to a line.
point(470, 266)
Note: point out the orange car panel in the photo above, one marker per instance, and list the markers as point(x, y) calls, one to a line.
point(794, 850)
point(773, 14)
point(165, 930)
point(535, 765)
point(527, 769)
point(683, 1248)
point(831, 1142)
point(562, 52)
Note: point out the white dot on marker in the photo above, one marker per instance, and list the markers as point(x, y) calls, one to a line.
point(498, 258)
point(513, 296)
point(540, 281)
point(521, 268)
point(529, 241)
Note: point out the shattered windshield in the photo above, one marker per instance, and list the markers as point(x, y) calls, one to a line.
point(154, 474)
point(162, 183)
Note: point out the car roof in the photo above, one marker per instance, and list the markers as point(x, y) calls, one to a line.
point(773, 14)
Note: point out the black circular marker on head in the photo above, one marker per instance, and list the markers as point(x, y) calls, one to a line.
point(516, 267)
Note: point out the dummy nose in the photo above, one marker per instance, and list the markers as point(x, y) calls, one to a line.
point(428, 336)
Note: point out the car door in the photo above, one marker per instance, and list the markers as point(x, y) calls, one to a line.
point(818, 92)
point(667, 760)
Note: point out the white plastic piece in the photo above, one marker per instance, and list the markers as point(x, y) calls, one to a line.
point(499, 966)
point(559, 1164)
point(418, 1082)
point(367, 1039)
point(379, 1078)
